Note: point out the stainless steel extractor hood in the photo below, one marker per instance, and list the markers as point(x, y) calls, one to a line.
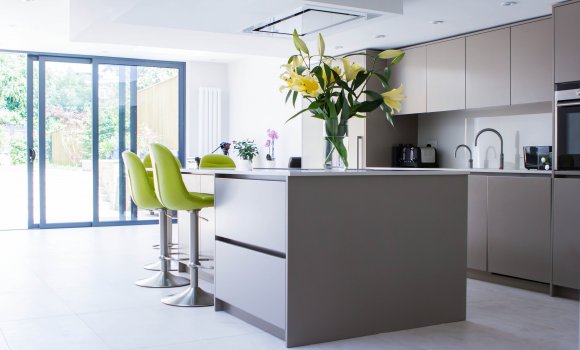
point(306, 21)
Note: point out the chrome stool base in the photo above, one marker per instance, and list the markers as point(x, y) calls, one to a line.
point(156, 266)
point(163, 280)
point(190, 297)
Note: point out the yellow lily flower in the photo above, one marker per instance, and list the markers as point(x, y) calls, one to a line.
point(393, 98)
point(350, 69)
point(385, 55)
point(307, 85)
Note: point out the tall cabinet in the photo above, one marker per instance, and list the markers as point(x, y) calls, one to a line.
point(566, 43)
point(371, 139)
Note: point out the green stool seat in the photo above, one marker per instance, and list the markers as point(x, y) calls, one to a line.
point(173, 194)
point(143, 195)
point(216, 161)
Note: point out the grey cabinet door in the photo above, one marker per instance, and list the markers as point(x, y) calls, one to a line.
point(252, 281)
point(532, 62)
point(488, 69)
point(412, 73)
point(566, 43)
point(519, 226)
point(477, 222)
point(567, 233)
point(446, 76)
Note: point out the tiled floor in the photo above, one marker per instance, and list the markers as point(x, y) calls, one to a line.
point(73, 289)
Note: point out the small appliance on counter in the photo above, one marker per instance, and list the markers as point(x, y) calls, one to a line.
point(428, 157)
point(538, 157)
point(410, 156)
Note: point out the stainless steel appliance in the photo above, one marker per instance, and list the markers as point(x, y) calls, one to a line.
point(538, 157)
point(406, 156)
point(567, 127)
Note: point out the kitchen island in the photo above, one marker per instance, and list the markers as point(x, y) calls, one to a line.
point(312, 256)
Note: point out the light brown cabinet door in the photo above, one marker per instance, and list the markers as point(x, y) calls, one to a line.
point(532, 48)
point(488, 69)
point(412, 73)
point(567, 233)
point(477, 222)
point(446, 76)
point(518, 224)
point(566, 43)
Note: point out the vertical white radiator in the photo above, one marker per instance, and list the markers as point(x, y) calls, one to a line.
point(209, 119)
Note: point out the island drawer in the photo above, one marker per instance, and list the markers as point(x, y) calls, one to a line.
point(251, 212)
point(252, 281)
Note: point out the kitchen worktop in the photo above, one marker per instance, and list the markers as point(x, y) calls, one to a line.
point(284, 172)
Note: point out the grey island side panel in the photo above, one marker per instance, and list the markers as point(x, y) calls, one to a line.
point(372, 254)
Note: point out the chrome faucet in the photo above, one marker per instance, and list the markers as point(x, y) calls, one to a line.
point(470, 155)
point(501, 143)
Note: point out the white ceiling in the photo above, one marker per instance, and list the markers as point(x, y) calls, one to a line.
point(212, 30)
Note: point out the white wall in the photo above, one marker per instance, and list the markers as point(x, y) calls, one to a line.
point(203, 74)
point(255, 105)
point(525, 125)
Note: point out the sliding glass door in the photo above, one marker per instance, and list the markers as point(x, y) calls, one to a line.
point(65, 141)
point(84, 112)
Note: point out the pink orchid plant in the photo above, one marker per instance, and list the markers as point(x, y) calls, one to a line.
point(272, 137)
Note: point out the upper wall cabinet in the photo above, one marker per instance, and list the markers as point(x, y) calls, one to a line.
point(531, 62)
point(488, 69)
point(566, 44)
point(412, 73)
point(446, 76)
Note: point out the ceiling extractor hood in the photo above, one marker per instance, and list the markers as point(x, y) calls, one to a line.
point(316, 16)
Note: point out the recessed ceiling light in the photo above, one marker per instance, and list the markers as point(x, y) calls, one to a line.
point(27, 0)
point(437, 22)
point(338, 47)
point(509, 3)
point(380, 36)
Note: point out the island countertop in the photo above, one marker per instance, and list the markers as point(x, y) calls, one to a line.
point(286, 172)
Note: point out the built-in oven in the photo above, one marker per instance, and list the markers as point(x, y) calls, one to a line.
point(567, 127)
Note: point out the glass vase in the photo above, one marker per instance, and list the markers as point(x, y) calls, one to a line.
point(332, 158)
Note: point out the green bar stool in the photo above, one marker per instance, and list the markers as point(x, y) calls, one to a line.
point(173, 194)
point(216, 161)
point(156, 266)
point(143, 194)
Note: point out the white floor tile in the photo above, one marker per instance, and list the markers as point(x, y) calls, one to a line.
point(31, 303)
point(161, 324)
point(256, 341)
point(3, 344)
point(54, 333)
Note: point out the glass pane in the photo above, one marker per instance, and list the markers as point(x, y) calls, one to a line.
point(157, 108)
point(114, 109)
point(148, 96)
point(69, 193)
point(13, 148)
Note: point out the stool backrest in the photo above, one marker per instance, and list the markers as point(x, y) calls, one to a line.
point(216, 161)
point(142, 191)
point(169, 185)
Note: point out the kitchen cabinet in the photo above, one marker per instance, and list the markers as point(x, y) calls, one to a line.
point(488, 69)
point(519, 227)
point(532, 62)
point(445, 76)
point(477, 222)
point(370, 140)
point(567, 232)
point(412, 73)
point(566, 43)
